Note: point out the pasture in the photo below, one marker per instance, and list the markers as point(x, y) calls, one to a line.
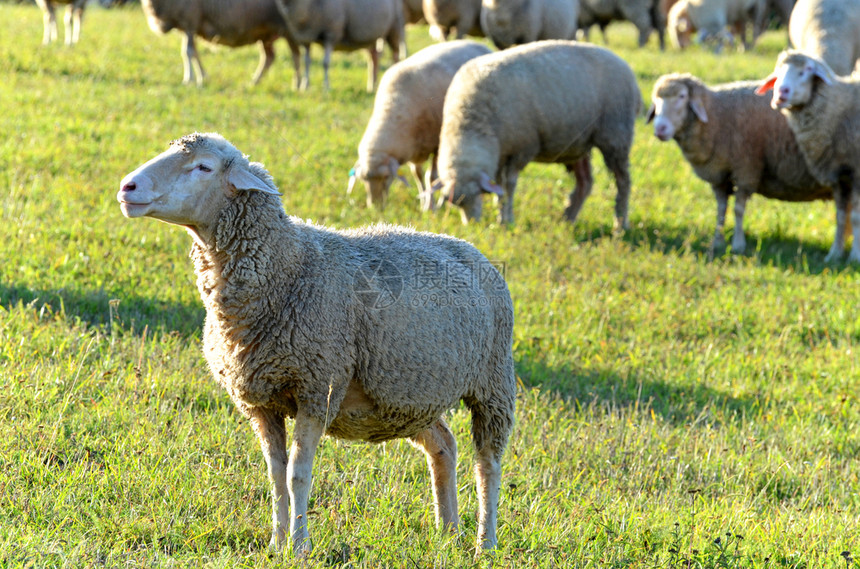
point(676, 410)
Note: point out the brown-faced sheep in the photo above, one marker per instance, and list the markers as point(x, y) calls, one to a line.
point(74, 18)
point(823, 111)
point(515, 22)
point(407, 118)
point(368, 334)
point(549, 101)
point(828, 30)
point(232, 23)
point(344, 25)
point(735, 142)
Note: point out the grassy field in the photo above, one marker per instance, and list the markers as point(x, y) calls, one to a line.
point(675, 410)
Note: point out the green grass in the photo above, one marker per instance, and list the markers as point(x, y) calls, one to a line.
point(675, 410)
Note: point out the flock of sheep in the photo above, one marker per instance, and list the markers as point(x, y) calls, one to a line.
point(287, 333)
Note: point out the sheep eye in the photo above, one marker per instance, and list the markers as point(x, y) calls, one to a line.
point(204, 168)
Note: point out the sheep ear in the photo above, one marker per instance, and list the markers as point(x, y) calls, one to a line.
point(698, 109)
point(822, 72)
point(767, 86)
point(242, 179)
point(652, 112)
point(489, 186)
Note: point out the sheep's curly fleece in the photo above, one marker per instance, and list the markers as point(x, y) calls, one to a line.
point(286, 329)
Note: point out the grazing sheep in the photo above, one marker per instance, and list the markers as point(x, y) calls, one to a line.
point(828, 30)
point(644, 14)
point(407, 118)
point(711, 17)
point(823, 111)
point(444, 16)
point(74, 17)
point(514, 22)
point(368, 334)
point(549, 101)
point(735, 142)
point(344, 25)
point(232, 23)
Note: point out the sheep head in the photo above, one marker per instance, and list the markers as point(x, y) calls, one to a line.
point(466, 192)
point(674, 96)
point(190, 183)
point(377, 174)
point(794, 79)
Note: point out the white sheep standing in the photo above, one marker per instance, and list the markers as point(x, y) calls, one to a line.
point(646, 15)
point(735, 142)
point(828, 30)
point(73, 19)
point(823, 111)
point(233, 23)
point(369, 334)
point(344, 25)
point(515, 22)
point(711, 18)
point(445, 16)
point(407, 119)
point(549, 101)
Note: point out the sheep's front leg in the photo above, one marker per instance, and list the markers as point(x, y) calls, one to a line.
point(739, 241)
point(506, 212)
point(440, 448)
point(190, 60)
point(721, 192)
point(372, 68)
point(49, 22)
point(306, 437)
point(269, 427)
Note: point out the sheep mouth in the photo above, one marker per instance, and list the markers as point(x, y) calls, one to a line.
point(781, 103)
point(663, 136)
point(132, 209)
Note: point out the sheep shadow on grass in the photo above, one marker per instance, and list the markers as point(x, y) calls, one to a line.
point(100, 309)
point(773, 248)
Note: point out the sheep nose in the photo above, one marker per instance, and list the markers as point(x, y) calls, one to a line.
point(129, 186)
point(783, 91)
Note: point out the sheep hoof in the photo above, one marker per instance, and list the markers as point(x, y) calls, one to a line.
point(834, 256)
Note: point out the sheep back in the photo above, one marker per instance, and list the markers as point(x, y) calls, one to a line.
point(828, 30)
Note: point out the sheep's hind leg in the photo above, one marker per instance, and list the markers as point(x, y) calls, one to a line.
point(191, 61)
point(618, 162)
point(270, 429)
point(440, 447)
point(854, 224)
point(492, 422)
point(306, 437)
point(267, 56)
point(739, 241)
point(581, 170)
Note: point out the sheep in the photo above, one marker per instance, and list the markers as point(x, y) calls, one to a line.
point(735, 142)
point(513, 22)
point(823, 111)
point(444, 16)
point(74, 17)
point(368, 334)
point(345, 25)
point(548, 101)
point(644, 14)
point(710, 18)
point(828, 30)
point(232, 23)
point(407, 118)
